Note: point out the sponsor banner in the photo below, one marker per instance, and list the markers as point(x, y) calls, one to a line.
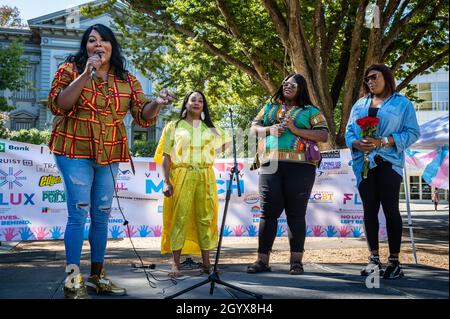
point(33, 200)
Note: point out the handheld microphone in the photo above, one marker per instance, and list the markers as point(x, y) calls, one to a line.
point(93, 69)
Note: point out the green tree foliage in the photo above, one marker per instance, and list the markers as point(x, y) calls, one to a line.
point(143, 149)
point(239, 51)
point(174, 61)
point(12, 76)
point(12, 71)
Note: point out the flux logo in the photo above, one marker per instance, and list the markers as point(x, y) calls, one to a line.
point(17, 201)
point(11, 178)
point(351, 197)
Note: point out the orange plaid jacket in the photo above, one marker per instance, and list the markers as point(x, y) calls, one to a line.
point(94, 127)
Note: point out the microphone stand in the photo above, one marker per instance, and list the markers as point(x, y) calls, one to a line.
point(213, 278)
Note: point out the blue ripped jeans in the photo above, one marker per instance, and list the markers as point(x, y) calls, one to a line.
point(89, 188)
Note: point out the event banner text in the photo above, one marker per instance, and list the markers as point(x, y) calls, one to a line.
point(33, 200)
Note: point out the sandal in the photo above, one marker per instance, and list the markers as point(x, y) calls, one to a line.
point(258, 266)
point(296, 269)
point(175, 272)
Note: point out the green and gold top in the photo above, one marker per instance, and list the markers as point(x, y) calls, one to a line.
point(288, 147)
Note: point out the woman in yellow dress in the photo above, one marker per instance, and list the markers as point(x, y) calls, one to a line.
point(187, 150)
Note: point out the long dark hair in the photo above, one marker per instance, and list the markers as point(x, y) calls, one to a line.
point(117, 59)
point(302, 88)
point(207, 119)
point(389, 80)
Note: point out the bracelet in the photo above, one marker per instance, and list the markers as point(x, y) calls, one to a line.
point(385, 142)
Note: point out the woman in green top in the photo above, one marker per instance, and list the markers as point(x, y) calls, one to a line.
point(286, 127)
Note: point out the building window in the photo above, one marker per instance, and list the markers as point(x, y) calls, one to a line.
point(421, 190)
point(414, 187)
point(440, 96)
point(27, 92)
point(22, 120)
point(434, 96)
point(22, 124)
point(425, 189)
point(443, 194)
point(144, 134)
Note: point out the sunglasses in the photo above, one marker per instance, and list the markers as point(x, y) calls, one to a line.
point(372, 77)
point(292, 85)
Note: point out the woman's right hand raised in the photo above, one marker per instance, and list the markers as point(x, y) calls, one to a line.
point(94, 61)
point(276, 130)
point(168, 189)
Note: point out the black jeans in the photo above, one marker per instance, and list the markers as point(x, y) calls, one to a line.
point(382, 186)
point(289, 189)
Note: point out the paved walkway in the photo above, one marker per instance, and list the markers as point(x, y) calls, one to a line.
point(37, 273)
point(320, 281)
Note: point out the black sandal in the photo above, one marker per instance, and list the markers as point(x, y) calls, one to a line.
point(258, 266)
point(296, 269)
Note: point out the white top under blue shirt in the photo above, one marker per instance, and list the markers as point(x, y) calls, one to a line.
point(397, 119)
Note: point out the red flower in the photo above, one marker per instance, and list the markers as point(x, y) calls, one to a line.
point(367, 121)
point(368, 125)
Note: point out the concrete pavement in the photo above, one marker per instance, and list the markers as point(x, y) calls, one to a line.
point(37, 273)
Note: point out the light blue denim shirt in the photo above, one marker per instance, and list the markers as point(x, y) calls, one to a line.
point(397, 119)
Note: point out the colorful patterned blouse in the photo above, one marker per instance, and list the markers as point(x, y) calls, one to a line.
point(82, 132)
point(288, 147)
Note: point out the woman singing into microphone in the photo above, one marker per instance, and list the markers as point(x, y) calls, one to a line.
point(88, 142)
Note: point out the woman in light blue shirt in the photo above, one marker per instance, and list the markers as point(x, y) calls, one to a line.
point(397, 130)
